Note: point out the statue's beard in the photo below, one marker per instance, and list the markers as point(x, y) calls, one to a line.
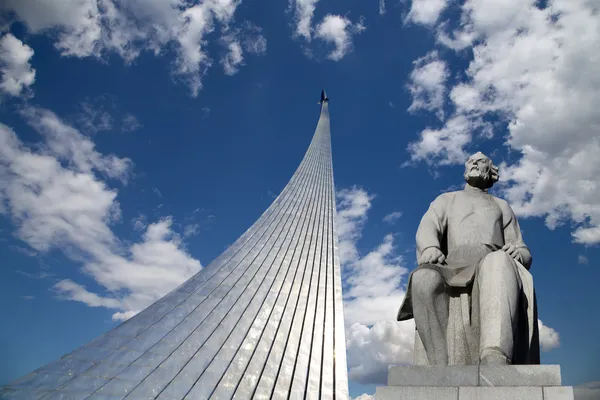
point(478, 178)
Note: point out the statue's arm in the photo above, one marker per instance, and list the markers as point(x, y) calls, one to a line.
point(432, 225)
point(512, 234)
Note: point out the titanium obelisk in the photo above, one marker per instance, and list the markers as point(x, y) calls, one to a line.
point(263, 320)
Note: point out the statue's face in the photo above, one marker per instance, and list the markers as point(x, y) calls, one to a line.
point(478, 170)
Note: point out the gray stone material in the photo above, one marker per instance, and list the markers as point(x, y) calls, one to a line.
point(417, 393)
point(519, 375)
point(558, 393)
point(471, 295)
point(478, 382)
point(500, 393)
point(432, 375)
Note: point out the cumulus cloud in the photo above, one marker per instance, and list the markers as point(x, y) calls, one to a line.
point(97, 28)
point(393, 217)
point(426, 12)
point(333, 29)
point(15, 68)
point(364, 396)
point(371, 350)
point(372, 294)
point(427, 84)
point(533, 73)
point(549, 338)
point(338, 31)
point(57, 199)
point(581, 259)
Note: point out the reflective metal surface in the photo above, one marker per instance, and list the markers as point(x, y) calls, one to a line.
point(263, 320)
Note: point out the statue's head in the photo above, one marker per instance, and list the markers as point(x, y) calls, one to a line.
point(480, 171)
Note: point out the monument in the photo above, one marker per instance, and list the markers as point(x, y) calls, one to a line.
point(263, 320)
point(473, 303)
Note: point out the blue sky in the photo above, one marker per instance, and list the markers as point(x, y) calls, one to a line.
point(139, 139)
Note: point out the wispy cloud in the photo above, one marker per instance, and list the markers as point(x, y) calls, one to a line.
point(393, 217)
point(57, 199)
point(130, 123)
point(581, 259)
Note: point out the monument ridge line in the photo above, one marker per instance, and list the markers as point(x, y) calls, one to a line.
point(263, 320)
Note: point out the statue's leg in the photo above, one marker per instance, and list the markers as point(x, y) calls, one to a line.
point(430, 310)
point(499, 288)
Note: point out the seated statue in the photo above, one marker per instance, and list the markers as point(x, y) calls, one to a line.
point(472, 294)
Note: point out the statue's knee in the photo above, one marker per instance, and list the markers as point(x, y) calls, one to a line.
point(426, 282)
point(497, 259)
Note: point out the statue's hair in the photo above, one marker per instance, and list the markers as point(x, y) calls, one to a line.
point(494, 170)
point(495, 173)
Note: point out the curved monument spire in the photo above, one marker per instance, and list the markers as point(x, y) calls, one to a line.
point(263, 320)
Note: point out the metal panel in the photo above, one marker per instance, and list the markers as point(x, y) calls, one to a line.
point(263, 320)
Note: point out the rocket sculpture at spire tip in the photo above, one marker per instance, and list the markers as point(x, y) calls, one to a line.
point(324, 97)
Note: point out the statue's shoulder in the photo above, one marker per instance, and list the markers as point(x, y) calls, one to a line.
point(445, 198)
point(503, 204)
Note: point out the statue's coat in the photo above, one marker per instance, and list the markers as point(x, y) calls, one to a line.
point(467, 225)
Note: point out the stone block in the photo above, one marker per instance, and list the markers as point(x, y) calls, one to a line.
point(500, 393)
point(519, 375)
point(454, 375)
point(416, 393)
point(558, 393)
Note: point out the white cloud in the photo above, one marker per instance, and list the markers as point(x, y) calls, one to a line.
point(427, 84)
point(77, 292)
point(352, 207)
point(445, 145)
point(364, 396)
point(581, 259)
point(93, 117)
point(15, 67)
point(333, 29)
point(191, 230)
point(55, 197)
point(130, 123)
point(393, 217)
point(426, 12)
point(338, 30)
point(534, 72)
point(372, 294)
point(234, 57)
point(304, 12)
point(97, 28)
point(381, 7)
point(549, 338)
point(372, 350)
point(139, 223)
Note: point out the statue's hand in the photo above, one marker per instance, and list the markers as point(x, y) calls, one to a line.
point(432, 255)
point(512, 251)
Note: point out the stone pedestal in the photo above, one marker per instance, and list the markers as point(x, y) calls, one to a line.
point(474, 382)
